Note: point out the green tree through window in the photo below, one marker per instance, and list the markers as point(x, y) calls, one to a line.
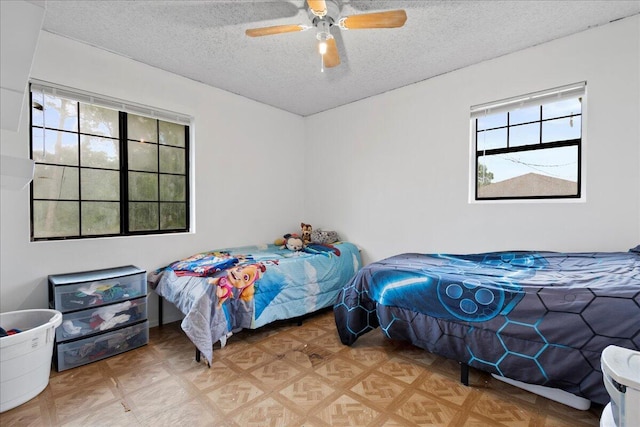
point(484, 176)
point(104, 172)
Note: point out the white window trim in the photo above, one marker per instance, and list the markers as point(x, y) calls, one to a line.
point(507, 104)
point(133, 108)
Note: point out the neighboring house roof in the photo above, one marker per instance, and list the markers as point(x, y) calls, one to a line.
point(531, 184)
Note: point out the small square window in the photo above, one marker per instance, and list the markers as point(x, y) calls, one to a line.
point(529, 148)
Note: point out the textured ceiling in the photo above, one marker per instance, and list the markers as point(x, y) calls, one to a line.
point(205, 41)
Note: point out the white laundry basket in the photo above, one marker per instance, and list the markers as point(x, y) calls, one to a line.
point(25, 357)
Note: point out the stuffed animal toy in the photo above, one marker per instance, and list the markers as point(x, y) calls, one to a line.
point(293, 242)
point(306, 230)
point(324, 237)
point(305, 236)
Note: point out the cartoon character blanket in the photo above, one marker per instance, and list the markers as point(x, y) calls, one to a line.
point(224, 291)
point(537, 317)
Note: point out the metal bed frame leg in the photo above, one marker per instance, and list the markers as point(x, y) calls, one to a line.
point(198, 358)
point(159, 310)
point(464, 373)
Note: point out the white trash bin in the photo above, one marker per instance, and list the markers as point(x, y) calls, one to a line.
point(621, 375)
point(25, 357)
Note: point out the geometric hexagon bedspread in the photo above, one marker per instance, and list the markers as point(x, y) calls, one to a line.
point(538, 317)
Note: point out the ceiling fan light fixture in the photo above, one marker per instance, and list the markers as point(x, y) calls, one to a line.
point(323, 34)
point(322, 47)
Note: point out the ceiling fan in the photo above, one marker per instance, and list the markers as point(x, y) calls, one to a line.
point(325, 14)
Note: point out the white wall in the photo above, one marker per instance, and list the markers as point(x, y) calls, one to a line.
point(400, 161)
point(242, 193)
point(392, 177)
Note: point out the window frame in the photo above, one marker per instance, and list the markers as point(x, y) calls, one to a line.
point(122, 140)
point(539, 99)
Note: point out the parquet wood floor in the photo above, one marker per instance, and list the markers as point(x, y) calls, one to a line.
point(285, 375)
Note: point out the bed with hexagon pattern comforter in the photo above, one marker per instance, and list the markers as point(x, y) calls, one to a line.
point(537, 317)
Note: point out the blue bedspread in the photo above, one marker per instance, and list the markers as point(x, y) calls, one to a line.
point(537, 317)
point(226, 290)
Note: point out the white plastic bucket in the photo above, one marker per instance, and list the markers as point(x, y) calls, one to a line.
point(25, 357)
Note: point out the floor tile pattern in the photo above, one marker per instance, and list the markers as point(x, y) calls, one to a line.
point(285, 374)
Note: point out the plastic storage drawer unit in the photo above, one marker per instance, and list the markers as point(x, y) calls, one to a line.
point(104, 313)
point(78, 291)
point(100, 319)
point(98, 347)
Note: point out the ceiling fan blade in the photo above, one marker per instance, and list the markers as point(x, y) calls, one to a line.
point(318, 7)
point(388, 19)
point(276, 29)
point(331, 58)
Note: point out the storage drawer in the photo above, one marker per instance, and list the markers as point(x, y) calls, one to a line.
point(78, 291)
point(100, 319)
point(98, 347)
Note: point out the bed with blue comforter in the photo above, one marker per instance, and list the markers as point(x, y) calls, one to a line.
point(223, 291)
point(537, 317)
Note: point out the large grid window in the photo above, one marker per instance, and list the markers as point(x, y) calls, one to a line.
point(101, 171)
point(529, 147)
